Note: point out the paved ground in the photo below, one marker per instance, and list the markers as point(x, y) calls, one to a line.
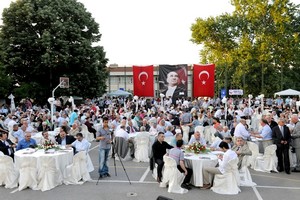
point(143, 186)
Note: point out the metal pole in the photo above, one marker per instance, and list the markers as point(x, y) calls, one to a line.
point(52, 103)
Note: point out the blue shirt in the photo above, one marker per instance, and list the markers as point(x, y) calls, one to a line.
point(266, 133)
point(23, 144)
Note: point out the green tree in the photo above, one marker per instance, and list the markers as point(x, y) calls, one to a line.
point(42, 40)
point(255, 48)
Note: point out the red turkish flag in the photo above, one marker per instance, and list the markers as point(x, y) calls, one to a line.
point(204, 80)
point(143, 85)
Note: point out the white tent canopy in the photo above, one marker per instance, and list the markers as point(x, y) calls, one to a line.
point(288, 92)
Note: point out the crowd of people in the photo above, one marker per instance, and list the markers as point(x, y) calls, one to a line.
point(234, 125)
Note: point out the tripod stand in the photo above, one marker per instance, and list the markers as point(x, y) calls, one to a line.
point(114, 152)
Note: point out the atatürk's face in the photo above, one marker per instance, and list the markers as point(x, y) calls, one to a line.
point(172, 78)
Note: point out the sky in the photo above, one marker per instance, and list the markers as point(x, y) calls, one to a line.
point(143, 32)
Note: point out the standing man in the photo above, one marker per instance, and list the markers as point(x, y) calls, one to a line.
point(296, 136)
point(159, 149)
point(178, 156)
point(104, 136)
point(73, 117)
point(282, 137)
point(241, 131)
point(265, 134)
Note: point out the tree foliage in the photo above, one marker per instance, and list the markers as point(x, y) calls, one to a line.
point(42, 40)
point(256, 48)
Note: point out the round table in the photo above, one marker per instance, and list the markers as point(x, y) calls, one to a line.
point(197, 162)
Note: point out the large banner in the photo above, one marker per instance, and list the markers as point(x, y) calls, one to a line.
point(173, 81)
point(204, 80)
point(143, 85)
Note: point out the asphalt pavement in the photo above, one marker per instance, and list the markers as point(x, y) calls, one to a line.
point(142, 186)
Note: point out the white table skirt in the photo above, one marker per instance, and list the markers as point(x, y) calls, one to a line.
point(197, 162)
point(62, 158)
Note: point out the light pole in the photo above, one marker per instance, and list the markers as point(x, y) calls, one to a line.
point(136, 98)
point(224, 100)
point(262, 101)
point(249, 100)
point(12, 103)
point(51, 101)
point(162, 99)
point(71, 100)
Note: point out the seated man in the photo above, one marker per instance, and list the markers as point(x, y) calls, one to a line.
point(168, 132)
point(75, 129)
point(6, 145)
point(178, 156)
point(197, 138)
point(80, 144)
point(47, 138)
point(242, 149)
point(28, 142)
point(63, 138)
point(159, 149)
point(215, 145)
point(178, 136)
point(223, 163)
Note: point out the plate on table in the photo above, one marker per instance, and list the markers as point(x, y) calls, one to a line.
point(217, 152)
point(188, 154)
point(204, 158)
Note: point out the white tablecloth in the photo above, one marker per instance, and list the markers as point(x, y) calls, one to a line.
point(62, 158)
point(197, 162)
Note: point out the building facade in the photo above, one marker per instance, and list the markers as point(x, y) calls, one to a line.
point(121, 77)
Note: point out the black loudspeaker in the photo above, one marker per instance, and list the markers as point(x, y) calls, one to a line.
point(163, 198)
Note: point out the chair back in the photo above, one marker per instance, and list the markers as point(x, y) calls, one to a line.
point(270, 150)
point(28, 173)
point(8, 174)
point(121, 146)
point(48, 175)
point(81, 165)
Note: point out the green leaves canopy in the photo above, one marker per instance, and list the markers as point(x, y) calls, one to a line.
point(42, 40)
point(256, 48)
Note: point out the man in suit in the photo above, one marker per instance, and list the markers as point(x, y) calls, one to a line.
point(6, 145)
point(282, 137)
point(63, 138)
point(242, 149)
point(296, 136)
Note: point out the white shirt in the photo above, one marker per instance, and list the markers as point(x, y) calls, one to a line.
point(228, 155)
point(82, 145)
point(240, 131)
point(122, 133)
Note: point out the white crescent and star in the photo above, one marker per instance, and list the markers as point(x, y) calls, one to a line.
point(201, 73)
point(143, 73)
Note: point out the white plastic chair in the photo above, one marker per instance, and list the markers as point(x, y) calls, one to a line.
point(86, 134)
point(245, 177)
point(141, 153)
point(228, 183)
point(172, 176)
point(8, 174)
point(209, 132)
point(28, 173)
point(267, 162)
point(200, 129)
point(185, 134)
point(78, 170)
point(48, 175)
point(1, 153)
point(255, 152)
